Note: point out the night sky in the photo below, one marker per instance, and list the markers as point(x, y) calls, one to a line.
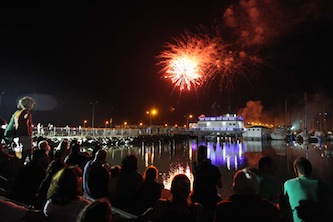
point(67, 54)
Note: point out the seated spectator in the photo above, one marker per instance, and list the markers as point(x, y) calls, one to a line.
point(246, 204)
point(129, 185)
point(54, 166)
point(97, 176)
point(75, 157)
point(97, 211)
point(29, 178)
point(64, 202)
point(268, 188)
point(112, 185)
point(304, 197)
point(44, 145)
point(151, 189)
point(179, 207)
point(17, 212)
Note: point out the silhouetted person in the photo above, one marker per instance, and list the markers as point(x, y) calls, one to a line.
point(76, 157)
point(246, 204)
point(265, 175)
point(97, 176)
point(97, 211)
point(151, 188)
point(207, 178)
point(64, 201)
point(129, 185)
point(27, 182)
point(304, 197)
point(55, 165)
point(179, 208)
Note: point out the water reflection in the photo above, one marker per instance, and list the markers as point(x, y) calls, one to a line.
point(176, 157)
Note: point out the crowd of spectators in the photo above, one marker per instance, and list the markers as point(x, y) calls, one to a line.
point(64, 183)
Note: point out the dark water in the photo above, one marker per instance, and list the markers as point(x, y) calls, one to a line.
point(171, 157)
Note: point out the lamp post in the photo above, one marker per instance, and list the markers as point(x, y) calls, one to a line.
point(187, 120)
point(93, 114)
point(84, 123)
point(106, 124)
point(150, 113)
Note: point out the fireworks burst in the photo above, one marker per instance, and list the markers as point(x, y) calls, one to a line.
point(187, 62)
point(198, 60)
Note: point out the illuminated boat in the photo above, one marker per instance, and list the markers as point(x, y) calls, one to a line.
point(225, 124)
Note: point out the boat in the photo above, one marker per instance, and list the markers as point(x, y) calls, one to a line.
point(279, 133)
point(302, 136)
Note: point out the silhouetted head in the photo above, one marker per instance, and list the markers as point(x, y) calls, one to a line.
point(65, 186)
point(95, 149)
point(129, 163)
point(180, 187)
point(267, 165)
point(76, 148)
point(302, 166)
point(202, 153)
point(44, 145)
point(150, 174)
point(99, 211)
point(245, 182)
point(101, 156)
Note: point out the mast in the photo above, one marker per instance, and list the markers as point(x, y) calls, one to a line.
point(305, 113)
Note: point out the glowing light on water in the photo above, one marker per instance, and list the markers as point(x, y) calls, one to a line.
point(175, 169)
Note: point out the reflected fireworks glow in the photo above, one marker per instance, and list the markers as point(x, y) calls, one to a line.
point(175, 169)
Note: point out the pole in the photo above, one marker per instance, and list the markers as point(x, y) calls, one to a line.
point(1, 94)
point(93, 114)
point(150, 119)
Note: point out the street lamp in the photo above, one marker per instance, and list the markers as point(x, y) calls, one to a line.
point(187, 120)
point(84, 123)
point(150, 113)
point(93, 114)
point(106, 124)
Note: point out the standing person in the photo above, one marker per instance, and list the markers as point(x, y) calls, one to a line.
point(20, 126)
point(305, 197)
point(207, 178)
point(246, 204)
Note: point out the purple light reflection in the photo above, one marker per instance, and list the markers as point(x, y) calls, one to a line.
point(226, 154)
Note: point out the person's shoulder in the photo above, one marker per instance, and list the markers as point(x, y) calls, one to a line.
point(291, 181)
point(84, 200)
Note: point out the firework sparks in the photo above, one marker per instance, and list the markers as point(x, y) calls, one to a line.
point(198, 60)
point(187, 62)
